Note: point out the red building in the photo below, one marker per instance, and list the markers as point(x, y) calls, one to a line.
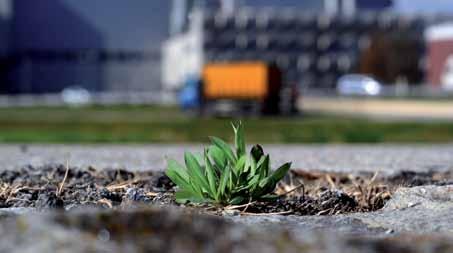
point(440, 55)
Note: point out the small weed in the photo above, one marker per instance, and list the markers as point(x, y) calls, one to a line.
point(224, 175)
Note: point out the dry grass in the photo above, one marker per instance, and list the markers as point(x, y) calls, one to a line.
point(369, 192)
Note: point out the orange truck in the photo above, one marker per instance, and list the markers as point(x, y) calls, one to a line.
point(254, 87)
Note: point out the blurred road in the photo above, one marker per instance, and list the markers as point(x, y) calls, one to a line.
point(380, 108)
point(385, 158)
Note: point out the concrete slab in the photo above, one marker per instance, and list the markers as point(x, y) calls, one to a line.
point(385, 158)
point(415, 220)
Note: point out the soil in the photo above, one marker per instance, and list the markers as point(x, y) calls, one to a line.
point(301, 193)
point(38, 187)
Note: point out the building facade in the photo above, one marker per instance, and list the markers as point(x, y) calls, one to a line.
point(440, 55)
point(102, 45)
point(312, 48)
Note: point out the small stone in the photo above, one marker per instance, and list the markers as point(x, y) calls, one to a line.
point(104, 235)
point(136, 195)
point(412, 204)
point(231, 212)
point(49, 200)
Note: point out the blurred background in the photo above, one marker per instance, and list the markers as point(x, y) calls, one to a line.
point(176, 71)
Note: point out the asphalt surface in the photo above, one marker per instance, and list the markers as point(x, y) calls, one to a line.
point(383, 158)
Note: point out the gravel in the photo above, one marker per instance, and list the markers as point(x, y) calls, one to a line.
point(385, 158)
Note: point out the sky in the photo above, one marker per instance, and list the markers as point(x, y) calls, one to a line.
point(427, 6)
point(405, 6)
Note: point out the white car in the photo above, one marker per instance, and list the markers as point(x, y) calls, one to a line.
point(358, 85)
point(76, 96)
point(447, 74)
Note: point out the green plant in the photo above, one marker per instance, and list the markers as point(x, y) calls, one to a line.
point(224, 175)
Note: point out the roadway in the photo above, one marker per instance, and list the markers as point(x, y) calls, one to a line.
point(380, 157)
point(379, 107)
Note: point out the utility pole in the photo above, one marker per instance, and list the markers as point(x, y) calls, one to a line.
point(349, 7)
point(331, 6)
point(179, 16)
point(228, 7)
point(344, 7)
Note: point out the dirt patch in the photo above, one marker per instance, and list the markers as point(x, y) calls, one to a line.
point(301, 193)
point(411, 178)
point(47, 187)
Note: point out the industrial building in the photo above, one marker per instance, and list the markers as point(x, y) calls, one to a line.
point(143, 45)
point(312, 42)
point(102, 45)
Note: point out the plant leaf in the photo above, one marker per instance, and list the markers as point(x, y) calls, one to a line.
point(178, 175)
point(253, 183)
point(268, 184)
point(257, 152)
point(252, 167)
point(232, 179)
point(176, 178)
point(225, 148)
point(239, 139)
point(185, 196)
point(248, 164)
point(223, 183)
point(260, 167)
point(195, 172)
point(239, 167)
point(199, 157)
point(174, 165)
point(263, 166)
point(218, 156)
point(280, 173)
point(264, 183)
point(210, 174)
point(237, 200)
